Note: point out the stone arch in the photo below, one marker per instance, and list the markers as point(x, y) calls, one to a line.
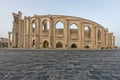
point(59, 45)
point(33, 26)
point(33, 43)
point(73, 45)
point(59, 27)
point(73, 30)
point(45, 44)
point(73, 26)
point(99, 35)
point(87, 32)
point(45, 25)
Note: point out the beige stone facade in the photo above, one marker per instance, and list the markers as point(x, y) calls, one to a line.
point(58, 32)
point(3, 42)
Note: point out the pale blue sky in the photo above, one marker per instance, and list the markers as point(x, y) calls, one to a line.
point(104, 12)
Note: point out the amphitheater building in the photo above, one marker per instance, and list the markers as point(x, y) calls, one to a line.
point(58, 32)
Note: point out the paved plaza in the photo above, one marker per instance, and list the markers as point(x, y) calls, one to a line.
point(59, 64)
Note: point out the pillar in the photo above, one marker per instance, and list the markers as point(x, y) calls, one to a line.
point(14, 39)
point(113, 41)
point(38, 33)
point(103, 38)
point(80, 35)
point(9, 37)
point(24, 34)
point(106, 41)
point(50, 32)
point(96, 43)
point(66, 34)
point(28, 36)
point(53, 34)
point(37, 42)
point(68, 23)
point(93, 37)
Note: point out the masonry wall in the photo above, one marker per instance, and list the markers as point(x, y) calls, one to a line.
point(59, 32)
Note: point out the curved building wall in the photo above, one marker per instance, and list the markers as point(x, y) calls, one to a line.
point(58, 31)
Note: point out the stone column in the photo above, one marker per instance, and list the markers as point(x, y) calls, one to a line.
point(66, 34)
point(28, 43)
point(80, 35)
point(50, 32)
point(95, 37)
point(103, 38)
point(38, 34)
point(19, 26)
point(24, 34)
point(19, 37)
point(106, 38)
point(14, 39)
point(37, 42)
point(53, 34)
point(9, 37)
point(113, 41)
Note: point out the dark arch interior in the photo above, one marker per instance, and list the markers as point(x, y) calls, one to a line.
point(59, 45)
point(73, 46)
point(33, 43)
point(45, 44)
point(87, 47)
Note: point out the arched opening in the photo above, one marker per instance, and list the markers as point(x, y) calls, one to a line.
point(33, 26)
point(59, 45)
point(87, 32)
point(45, 44)
point(33, 43)
point(99, 35)
point(45, 26)
point(73, 31)
point(73, 46)
point(87, 47)
point(59, 28)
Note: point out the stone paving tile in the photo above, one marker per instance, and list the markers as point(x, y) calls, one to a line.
point(59, 64)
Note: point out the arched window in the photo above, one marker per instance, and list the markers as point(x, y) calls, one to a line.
point(59, 28)
point(99, 35)
point(73, 26)
point(45, 44)
point(45, 25)
point(33, 26)
point(87, 32)
point(59, 45)
point(33, 43)
point(73, 46)
point(73, 30)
